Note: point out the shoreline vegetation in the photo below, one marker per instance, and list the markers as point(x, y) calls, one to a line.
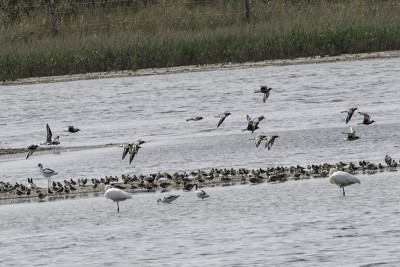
point(117, 36)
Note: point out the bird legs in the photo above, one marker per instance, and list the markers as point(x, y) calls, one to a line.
point(118, 206)
point(344, 194)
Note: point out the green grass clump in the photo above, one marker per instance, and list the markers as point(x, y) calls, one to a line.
point(120, 36)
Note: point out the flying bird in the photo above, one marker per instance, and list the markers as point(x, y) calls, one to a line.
point(197, 118)
point(351, 135)
point(252, 124)
point(367, 118)
point(222, 117)
point(270, 141)
point(349, 112)
point(258, 138)
point(132, 148)
point(342, 179)
point(116, 194)
point(167, 199)
point(264, 90)
point(31, 149)
point(49, 137)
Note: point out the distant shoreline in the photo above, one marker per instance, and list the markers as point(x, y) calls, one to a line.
point(200, 68)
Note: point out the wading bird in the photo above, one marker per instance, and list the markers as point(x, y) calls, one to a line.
point(116, 194)
point(46, 172)
point(342, 179)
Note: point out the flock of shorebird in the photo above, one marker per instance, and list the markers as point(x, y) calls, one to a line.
point(336, 172)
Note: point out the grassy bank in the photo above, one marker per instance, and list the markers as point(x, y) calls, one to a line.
point(175, 33)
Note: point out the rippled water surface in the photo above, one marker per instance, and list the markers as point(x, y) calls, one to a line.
point(299, 223)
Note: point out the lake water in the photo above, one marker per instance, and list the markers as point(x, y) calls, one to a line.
point(299, 223)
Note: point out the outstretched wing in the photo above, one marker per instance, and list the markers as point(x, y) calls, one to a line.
point(221, 121)
point(49, 134)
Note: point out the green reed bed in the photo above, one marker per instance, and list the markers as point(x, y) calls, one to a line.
point(166, 34)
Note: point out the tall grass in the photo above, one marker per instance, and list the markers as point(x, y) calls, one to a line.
point(176, 33)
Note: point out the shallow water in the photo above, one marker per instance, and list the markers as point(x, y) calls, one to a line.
point(303, 109)
point(303, 223)
point(297, 223)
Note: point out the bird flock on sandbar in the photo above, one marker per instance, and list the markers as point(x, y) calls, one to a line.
point(340, 174)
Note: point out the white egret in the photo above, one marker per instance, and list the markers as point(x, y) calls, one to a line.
point(116, 194)
point(342, 179)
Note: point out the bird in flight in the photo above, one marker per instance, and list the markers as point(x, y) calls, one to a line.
point(367, 118)
point(264, 90)
point(222, 117)
point(349, 112)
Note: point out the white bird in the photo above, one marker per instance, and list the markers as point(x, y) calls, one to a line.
point(200, 193)
point(342, 179)
point(46, 172)
point(116, 194)
point(167, 199)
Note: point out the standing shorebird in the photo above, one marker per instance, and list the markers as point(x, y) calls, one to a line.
point(264, 90)
point(31, 149)
point(342, 179)
point(48, 173)
point(349, 112)
point(222, 117)
point(116, 194)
